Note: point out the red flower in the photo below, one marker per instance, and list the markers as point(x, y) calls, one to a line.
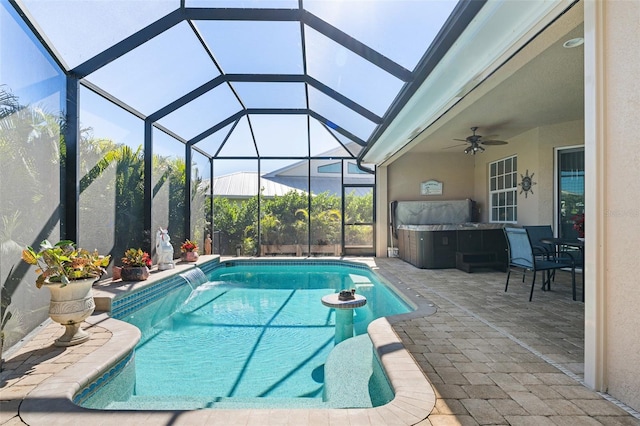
point(188, 245)
point(578, 224)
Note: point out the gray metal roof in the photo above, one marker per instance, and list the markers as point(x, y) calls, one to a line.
point(245, 185)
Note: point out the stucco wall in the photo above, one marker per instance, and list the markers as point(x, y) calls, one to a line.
point(535, 150)
point(454, 170)
point(621, 189)
point(465, 176)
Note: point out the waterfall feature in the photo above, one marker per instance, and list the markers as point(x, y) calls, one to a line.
point(194, 277)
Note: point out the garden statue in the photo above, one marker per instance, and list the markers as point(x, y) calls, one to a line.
point(207, 244)
point(164, 250)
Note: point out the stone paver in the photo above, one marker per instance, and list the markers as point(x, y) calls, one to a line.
point(495, 357)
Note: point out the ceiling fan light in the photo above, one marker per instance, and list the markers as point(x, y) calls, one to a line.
point(473, 148)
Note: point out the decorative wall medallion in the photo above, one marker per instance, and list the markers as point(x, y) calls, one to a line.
point(527, 183)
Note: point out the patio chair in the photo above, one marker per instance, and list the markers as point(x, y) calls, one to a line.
point(542, 250)
point(540, 232)
point(537, 233)
point(521, 256)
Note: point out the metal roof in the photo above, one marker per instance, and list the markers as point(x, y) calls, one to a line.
point(244, 185)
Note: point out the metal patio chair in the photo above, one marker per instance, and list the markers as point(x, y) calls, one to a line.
point(542, 250)
point(521, 256)
point(537, 233)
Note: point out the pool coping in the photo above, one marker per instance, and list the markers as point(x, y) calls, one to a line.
point(51, 402)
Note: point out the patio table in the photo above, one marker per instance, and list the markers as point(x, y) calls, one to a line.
point(569, 242)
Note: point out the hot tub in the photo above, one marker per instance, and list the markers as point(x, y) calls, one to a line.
point(440, 234)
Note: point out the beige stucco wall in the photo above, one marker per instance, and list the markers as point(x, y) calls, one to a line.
point(401, 182)
point(617, 148)
point(454, 170)
point(535, 150)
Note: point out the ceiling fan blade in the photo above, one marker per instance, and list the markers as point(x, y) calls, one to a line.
point(461, 140)
point(493, 142)
point(455, 146)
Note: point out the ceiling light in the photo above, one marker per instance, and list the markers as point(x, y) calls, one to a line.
point(474, 148)
point(574, 42)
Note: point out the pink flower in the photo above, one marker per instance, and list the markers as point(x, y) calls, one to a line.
point(578, 224)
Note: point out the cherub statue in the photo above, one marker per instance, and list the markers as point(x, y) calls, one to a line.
point(164, 250)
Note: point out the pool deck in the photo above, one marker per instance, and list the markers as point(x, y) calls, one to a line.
point(490, 357)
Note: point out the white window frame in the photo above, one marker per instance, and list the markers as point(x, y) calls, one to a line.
point(503, 188)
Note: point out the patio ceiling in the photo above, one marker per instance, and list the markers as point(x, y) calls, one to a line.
point(540, 84)
point(245, 79)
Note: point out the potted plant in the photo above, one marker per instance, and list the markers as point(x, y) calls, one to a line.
point(189, 251)
point(135, 265)
point(68, 272)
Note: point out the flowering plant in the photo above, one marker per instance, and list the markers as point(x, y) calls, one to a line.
point(63, 262)
point(136, 257)
point(188, 246)
point(578, 224)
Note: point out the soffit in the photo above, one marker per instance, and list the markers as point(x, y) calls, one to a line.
point(503, 40)
point(548, 90)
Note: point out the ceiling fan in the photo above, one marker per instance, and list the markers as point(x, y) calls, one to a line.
point(476, 142)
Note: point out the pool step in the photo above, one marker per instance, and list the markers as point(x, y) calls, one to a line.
point(355, 384)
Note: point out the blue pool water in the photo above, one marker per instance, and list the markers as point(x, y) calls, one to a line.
point(254, 335)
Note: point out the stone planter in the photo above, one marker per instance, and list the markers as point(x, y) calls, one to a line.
point(190, 256)
point(134, 273)
point(69, 306)
point(116, 273)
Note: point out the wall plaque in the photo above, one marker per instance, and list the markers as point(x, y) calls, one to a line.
point(431, 187)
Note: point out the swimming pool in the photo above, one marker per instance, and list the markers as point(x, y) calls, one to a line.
point(255, 334)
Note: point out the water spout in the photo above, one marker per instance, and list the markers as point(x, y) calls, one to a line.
point(194, 277)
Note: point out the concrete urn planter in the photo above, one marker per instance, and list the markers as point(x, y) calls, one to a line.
point(69, 306)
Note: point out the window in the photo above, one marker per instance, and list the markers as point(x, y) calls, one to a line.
point(330, 168)
point(354, 170)
point(503, 178)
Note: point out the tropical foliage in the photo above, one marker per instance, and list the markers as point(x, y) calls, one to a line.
point(136, 257)
point(30, 168)
point(286, 220)
point(111, 205)
point(63, 262)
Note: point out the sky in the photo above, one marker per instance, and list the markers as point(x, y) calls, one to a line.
point(175, 62)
